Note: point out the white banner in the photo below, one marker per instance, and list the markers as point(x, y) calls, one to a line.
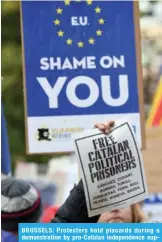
point(112, 169)
point(54, 134)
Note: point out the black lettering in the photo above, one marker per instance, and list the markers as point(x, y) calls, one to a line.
point(91, 165)
point(133, 164)
point(107, 162)
point(120, 147)
point(109, 151)
point(98, 165)
point(134, 184)
point(102, 164)
point(126, 145)
point(130, 154)
point(118, 169)
point(115, 160)
point(112, 171)
point(97, 154)
point(90, 154)
point(106, 141)
point(120, 160)
point(115, 150)
point(103, 152)
point(126, 156)
point(129, 164)
point(123, 188)
point(94, 143)
point(133, 189)
point(125, 166)
point(93, 176)
point(107, 172)
point(112, 139)
point(101, 142)
point(100, 175)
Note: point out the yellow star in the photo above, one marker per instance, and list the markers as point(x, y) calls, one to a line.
point(60, 33)
point(78, 1)
point(80, 44)
point(89, 2)
point(101, 21)
point(69, 41)
point(56, 22)
point(67, 2)
point(97, 10)
point(91, 41)
point(59, 11)
point(99, 32)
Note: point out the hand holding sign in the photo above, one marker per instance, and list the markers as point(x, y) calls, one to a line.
point(112, 167)
point(105, 127)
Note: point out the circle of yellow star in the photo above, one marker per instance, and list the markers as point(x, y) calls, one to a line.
point(59, 11)
point(57, 22)
point(69, 41)
point(67, 2)
point(80, 44)
point(89, 2)
point(60, 33)
point(91, 41)
point(99, 32)
point(101, 21)
point(97, 10)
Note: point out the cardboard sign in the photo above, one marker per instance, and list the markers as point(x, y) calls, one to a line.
point(81, 66)
point(112, 169)
point(153, 159)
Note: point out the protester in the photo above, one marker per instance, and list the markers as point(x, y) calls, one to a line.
point(74, 209)
point(132, 214)
point(20, 203)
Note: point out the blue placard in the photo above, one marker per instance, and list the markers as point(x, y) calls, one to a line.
point(90, 232)
point(80, 63)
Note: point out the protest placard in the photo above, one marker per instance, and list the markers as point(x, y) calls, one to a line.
point(112, 169)
point(82, 65)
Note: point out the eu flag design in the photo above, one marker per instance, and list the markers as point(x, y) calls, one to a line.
point(89, 35)
point(80, 38)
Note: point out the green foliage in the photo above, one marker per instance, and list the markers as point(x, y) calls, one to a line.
point(12, 82)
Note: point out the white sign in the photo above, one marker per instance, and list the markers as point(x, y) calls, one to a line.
point(112, 169)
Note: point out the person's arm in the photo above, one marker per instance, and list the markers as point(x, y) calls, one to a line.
point(74, 210)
